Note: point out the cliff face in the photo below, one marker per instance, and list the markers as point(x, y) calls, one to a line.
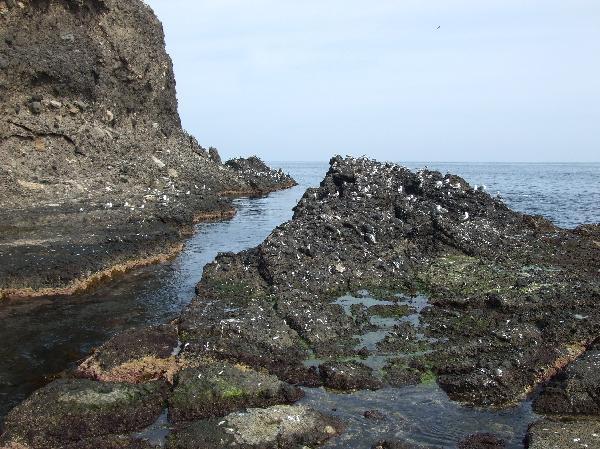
point(93, 159)
point(87, 96)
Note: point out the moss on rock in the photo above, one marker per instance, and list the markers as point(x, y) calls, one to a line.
point(71, 411)
point(216, 388)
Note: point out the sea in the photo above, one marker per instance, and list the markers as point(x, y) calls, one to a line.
point(43, 337)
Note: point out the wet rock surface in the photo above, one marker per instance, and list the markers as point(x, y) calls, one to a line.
point(348, 376)
point(482, 441)
point(211, 389)
point(135, 356)
point(96, 172)
point(70, 412)
point(394, 444)
point(278, 427)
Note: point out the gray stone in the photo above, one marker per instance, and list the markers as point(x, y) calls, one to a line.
point(547, 434)
point(36, 107)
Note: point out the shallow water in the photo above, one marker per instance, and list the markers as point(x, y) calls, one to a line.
point(44, 336)
point(420, 414)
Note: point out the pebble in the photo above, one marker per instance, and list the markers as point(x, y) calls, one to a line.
point(36, 107)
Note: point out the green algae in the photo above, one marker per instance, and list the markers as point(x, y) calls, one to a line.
point(466, 276)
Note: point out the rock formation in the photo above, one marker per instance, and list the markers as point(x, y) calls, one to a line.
point(96, 173)
point(448, 283)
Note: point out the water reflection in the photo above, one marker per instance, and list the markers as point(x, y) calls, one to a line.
point(421, 414)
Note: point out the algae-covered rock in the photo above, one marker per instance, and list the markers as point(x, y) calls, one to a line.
point(217, 388)
point(105, 442)
point(485, 301)
point(135, 356)
point(278, 427)
point(68, 412)
point(111, 442)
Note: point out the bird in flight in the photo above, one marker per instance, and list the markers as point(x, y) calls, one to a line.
point(439, 26)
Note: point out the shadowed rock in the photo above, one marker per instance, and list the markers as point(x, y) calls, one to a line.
point(482, 441)
point(575, 391)
point(69, 412)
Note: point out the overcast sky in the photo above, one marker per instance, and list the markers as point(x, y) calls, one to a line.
point(500, 80)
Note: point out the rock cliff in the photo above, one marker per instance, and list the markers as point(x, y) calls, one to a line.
point(96, 173)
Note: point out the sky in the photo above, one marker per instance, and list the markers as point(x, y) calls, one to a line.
point(500, 80)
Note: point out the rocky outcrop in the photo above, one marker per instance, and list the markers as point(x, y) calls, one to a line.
point(501, 301)
point(258, 176)
point(575, 390)
point(384, 277)
point(96, 172)
point(571, 404)
point(69, 412)
point(135, 356)
point(209, 389)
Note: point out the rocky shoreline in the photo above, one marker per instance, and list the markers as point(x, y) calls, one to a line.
point(97, 175)
point(384, 278)
point(63, 249)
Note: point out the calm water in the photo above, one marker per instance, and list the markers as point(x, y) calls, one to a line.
point(43, 337)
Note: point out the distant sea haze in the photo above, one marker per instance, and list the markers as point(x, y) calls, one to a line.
point(568, 194)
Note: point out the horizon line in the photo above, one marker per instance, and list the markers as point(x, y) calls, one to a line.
point(441, 162)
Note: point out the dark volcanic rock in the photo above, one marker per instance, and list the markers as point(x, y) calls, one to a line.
point(374, 415)
point(418, 273)
point(482, 441)
point(348, 376)
point(69, 412)
point(259, 176)
point(96, 172)
point(395, 444)
point(111, 442)
point(575, 391)
point(510, 298)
